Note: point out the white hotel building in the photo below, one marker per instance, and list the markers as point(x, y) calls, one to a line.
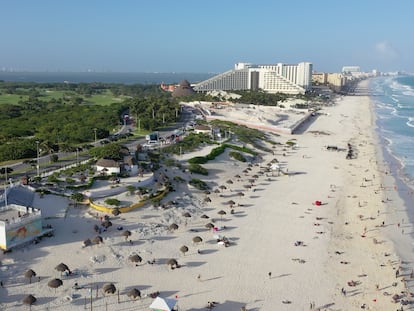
point(276, 78)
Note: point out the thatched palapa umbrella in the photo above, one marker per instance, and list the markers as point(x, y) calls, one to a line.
point(29, 300)
point(172, 263)
point(135, 258)
point(207, 199)
point(221, 213)
point(126, 234)
point(116, 211)
point(173, 226)
point(229, 181)
point(240, 194)
point(237, 176)
point(62, 267)
point(223, 187)
point(109, 288)
point(106, 224)
point(87, 243)
point(207, 192)
point(98, 239)
point(216, 190)
point(55, 283)
point(231, 202)
point(134, 293)
point(183, 249)
point(29, 274)
point(209, 225)
point(204, 216)
point(187, 214)
point(197, 239)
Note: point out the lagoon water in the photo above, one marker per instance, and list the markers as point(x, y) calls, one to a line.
point(394, 109)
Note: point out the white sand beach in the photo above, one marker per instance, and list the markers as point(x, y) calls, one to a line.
point(285, 252)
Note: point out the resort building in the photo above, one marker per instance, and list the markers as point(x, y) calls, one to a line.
point(273, 78)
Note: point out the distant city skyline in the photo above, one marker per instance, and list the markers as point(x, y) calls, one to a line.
point(186, 36)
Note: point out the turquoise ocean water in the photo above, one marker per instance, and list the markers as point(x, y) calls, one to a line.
point(394, 109)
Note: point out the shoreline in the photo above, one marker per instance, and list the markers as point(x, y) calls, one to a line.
point(282, 242)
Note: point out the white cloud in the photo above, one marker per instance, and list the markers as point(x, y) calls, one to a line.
point(386, 51)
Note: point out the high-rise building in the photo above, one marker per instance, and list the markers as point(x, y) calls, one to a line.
point(273, 78)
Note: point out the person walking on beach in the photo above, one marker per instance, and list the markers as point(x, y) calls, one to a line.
point(270, 275)
point(199, 277)
point(343, 291)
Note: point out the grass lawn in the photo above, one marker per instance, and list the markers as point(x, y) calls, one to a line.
point(106, 98)
point(11, 99)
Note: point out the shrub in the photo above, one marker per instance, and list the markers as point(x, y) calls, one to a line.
point(112, 201)
point(198, 160)
point(237, 155)
point(197, 169)
point(198, 184)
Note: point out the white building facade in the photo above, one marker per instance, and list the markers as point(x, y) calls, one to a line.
point(273, 78)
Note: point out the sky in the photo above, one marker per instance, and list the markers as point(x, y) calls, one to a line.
point(204, 36)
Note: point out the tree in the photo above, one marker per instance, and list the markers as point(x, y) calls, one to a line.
point(6, 171)
point(53, 158)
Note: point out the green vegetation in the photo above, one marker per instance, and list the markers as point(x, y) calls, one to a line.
point(197, 169)
point(198, 184)
point(237, 155)
point(112, 201)
point(64, 116)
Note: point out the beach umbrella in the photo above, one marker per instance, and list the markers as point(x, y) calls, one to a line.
point(217, 191)
point(134, 293)
point(207, 192)
point(187, 214)
point(209, 225)
point(204, 216)
point(231, 202)
point(252, 181)
point(29, 274)
point(240, 194)
point(29, 300)
point(229, 181)
point(223, 187)
point(197, 239)
point(126, 234)
point(135, 258)
point(87, 242)
point(116, 212)
point(172, 263)
point(245, 171)
point(98, 239)
point(255, 176)
point(109, 288)
point(207, 199)
point(237, 176)
point(173, 226)
point(106, 224)
point(183, 249)
point(247, 186)
point(221, 213)
point(62, 267)
point(55, 283)
point(249, 165)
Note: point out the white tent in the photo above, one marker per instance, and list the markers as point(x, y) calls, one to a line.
point(163, 304)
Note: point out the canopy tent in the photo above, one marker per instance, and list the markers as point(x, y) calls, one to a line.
point(163, 304)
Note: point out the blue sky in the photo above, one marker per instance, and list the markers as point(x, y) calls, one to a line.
point(204, 36)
